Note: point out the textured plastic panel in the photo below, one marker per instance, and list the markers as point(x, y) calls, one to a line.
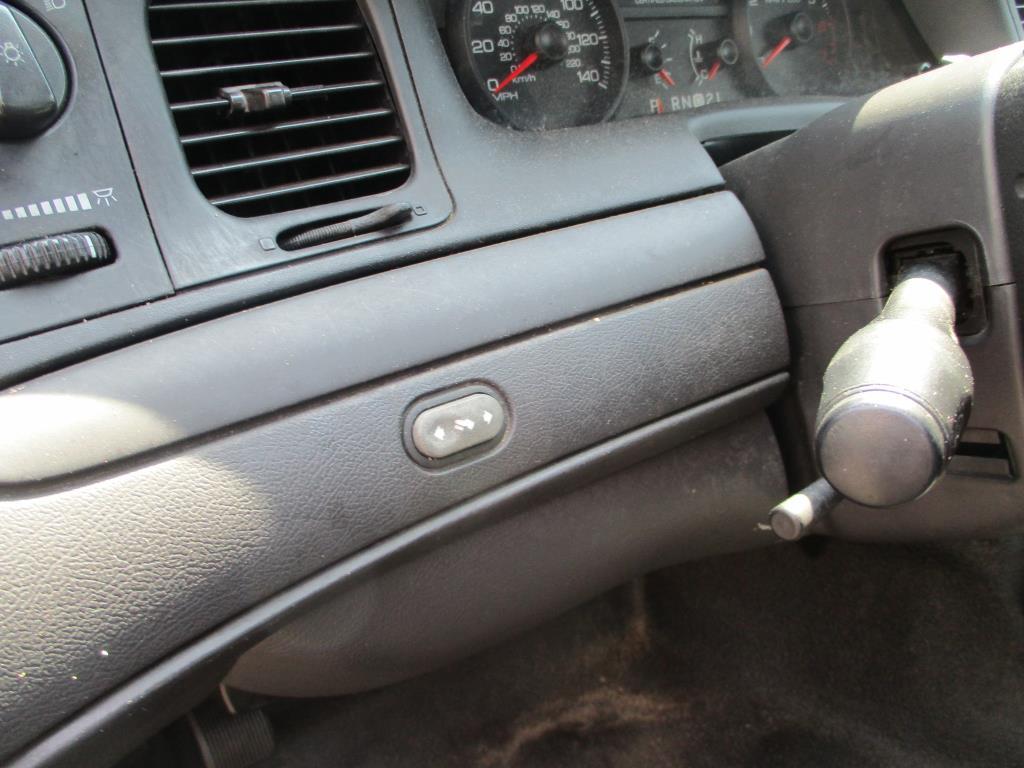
point(175, 684)
point(137, 564)
point(148, 396)
point(956, 27)
point(705, 498)
point(76, 176)
point(914, 157)
point(492, 174)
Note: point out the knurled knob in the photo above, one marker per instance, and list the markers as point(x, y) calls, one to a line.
point(50, 256)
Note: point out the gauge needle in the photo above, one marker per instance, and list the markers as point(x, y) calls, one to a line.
point(528, 62)
point(782, 45)
point(664, 75)
point(714, 69)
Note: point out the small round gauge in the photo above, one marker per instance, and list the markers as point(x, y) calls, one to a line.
point(539, 65)
point(680, 64)
point(709, 58)
point(800, 46)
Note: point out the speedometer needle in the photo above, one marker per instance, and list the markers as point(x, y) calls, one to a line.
point(782, 45)
point(528, 62)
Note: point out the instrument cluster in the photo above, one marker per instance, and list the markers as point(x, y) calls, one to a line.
point(561, 63)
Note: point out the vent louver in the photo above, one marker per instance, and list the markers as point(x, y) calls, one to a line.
point(332, 136)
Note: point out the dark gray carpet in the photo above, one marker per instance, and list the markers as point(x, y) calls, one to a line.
point(831, 654)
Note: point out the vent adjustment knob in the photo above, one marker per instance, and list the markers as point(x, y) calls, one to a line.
point(33, 78)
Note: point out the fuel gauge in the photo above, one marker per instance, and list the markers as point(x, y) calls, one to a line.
point(678, 65)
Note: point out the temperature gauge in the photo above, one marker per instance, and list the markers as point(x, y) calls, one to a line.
point(679, 65)
point(710, 59)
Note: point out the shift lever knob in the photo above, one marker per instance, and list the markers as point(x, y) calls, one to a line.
point(896, 395)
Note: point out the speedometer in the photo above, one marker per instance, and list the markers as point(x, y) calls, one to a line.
point(539, 65)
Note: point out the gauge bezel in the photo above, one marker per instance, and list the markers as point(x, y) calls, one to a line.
point(472, 82)
point(754, 73)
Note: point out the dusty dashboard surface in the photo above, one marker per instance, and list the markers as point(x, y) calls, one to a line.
point(560, 63)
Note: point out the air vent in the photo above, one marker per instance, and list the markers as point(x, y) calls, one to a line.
point(1020, 10)
point(279, 104)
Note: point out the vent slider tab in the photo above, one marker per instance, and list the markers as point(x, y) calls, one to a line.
point(258, 97)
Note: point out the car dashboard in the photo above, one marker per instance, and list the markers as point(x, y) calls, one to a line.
point(245, 245)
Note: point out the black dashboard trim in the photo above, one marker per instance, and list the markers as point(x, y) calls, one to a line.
point(95, 736)
point(139, 561)
point(147, 396)
point(666, 163)
point(201, 243)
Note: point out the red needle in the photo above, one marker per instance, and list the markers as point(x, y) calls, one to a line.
point(782, 45)
point(528, 62)
point(664, 75)
point(714, 69)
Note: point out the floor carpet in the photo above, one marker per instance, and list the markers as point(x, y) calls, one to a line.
point(820, 654)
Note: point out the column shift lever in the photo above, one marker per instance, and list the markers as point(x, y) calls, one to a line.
point(896, 397)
